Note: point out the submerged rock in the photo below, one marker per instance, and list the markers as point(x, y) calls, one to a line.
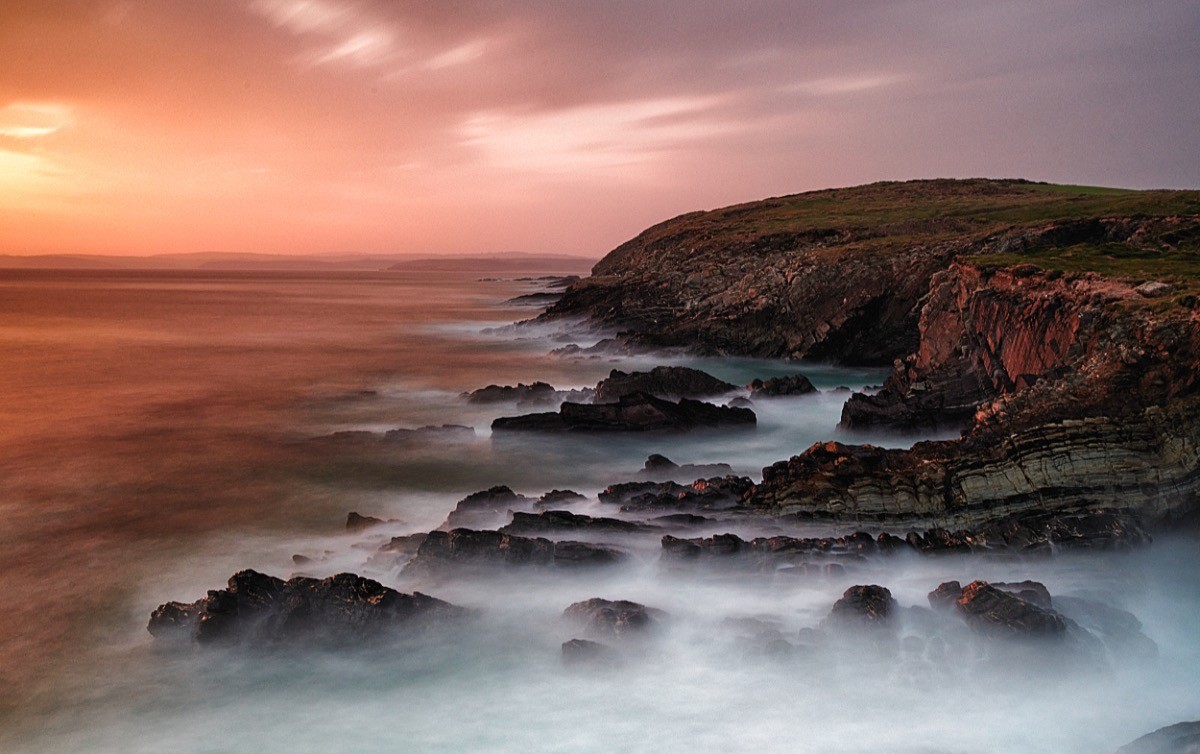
point(661, 382)
point(264, 610)
point(582, 652)
point(616, 618)
point(637, 412)
point(461, 548)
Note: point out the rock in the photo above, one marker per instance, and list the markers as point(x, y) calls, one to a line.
point(564, 521)
point(637, 412)
point(768, 553)
point(869, 606)
point(263, 610)
point(356, 523)
point(1181, 738)
point(1120, 630)
point(559, 497)
point(582, 652)
point(615, 618)
point(404, 545)
point(1154, 289)
point(946, 596)
point(992, 612)
point(660, 468)
point(740, 402)
point(536, 392)
point(661, 382)
point(776, 387)
point(485, 550)
point(680, 519)
point(717, 493)
point(1033, 592)
point(489, 507)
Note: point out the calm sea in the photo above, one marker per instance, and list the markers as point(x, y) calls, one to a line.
point(159, 431)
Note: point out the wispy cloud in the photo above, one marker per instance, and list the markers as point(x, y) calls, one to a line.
point(340, 32)
point(31, 120)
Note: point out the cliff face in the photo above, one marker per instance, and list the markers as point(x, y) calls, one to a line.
point(1020, 312)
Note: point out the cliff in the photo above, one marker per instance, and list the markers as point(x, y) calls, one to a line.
point(1056, 325)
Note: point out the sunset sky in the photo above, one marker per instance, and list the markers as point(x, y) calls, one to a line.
point(304, 126)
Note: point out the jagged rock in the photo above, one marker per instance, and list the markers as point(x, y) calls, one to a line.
point(489, 507)
point(716, 493)
point(997, 613)
point(404, 545)
point(260, 609)
point(536, 392)
point(356, 523)
point(559, 497)
point(1033, 592)
point(601, 617)
point(636, 412)
point(1154, 289)
point(869, 606)
point(660, 468)
point(465, 548)
point(1180, 738)
point(775, 387)
point(582, 652)
point(768, 553)
point(564, 521)
point(946, 595)
point(661, 382)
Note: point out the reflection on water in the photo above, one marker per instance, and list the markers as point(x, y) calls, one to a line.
point(163, 430)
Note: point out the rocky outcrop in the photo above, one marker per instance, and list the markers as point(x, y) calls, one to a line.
point(716, 493)
point(660, 468)
point(670, 383)
point(490, 507)
point(998, 613)
point(869, 607)
point(465, 549)
point(637, 412)
point(547, 522)
point(257, 609)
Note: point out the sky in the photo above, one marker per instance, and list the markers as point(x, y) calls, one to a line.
point(466, 126)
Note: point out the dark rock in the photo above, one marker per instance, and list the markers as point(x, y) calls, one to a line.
point(810, 556)
point(740, 402)
point(299, 559)
point(537, 392)
point(1033, 592)
point(464, 548)
point(996, 613)
point(703, 494)
point(637, 412)
point(356, 523)
point(946, 596)
point(661, 382)
point(260, 609)
point(869, 606)
point(489, 507)
point(657, 462)
point(1181, 738)
point(404, 545)
point(661, 468)
point(558, 497)
point(603, 617)
point(558, 521)
point(775, 387)
point(582, 652)
point(680, 519)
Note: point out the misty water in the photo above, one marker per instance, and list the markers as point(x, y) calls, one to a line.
point(164, 430)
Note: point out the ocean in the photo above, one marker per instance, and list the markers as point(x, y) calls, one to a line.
point(161, 430)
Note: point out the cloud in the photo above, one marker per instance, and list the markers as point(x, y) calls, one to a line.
point(344, 32)
point(32, 120)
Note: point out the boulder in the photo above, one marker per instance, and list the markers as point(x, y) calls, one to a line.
point(560, 521)
point(946, 596)
point(259, 609)
point(661, 382)
point(996, 613)
point(776, 387)
point(870, 606)
point(616, 618)
point(558, 497)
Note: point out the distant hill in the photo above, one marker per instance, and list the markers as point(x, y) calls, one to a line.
point(501, 263)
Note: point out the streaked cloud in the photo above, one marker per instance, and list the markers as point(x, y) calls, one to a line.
point(31, 120)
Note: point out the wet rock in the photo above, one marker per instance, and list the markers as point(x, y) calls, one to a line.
point(356, 523)
point(1181, 738)
point(660, 468)
point(776, 387)
point(407, 544)
point(993, 612)
point(564, 521)
point(680, 519)
point(601, 617)
point(946, 596)
point(536, 392)
point(716, 493)
point(259, 609)
point(559, 497)
point(811, 555)
point(585, 653)
point(489, 507)
point(1033, 592)
point(636, 412)
point(661, 382)
point(870, 606)
point(465, 548)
